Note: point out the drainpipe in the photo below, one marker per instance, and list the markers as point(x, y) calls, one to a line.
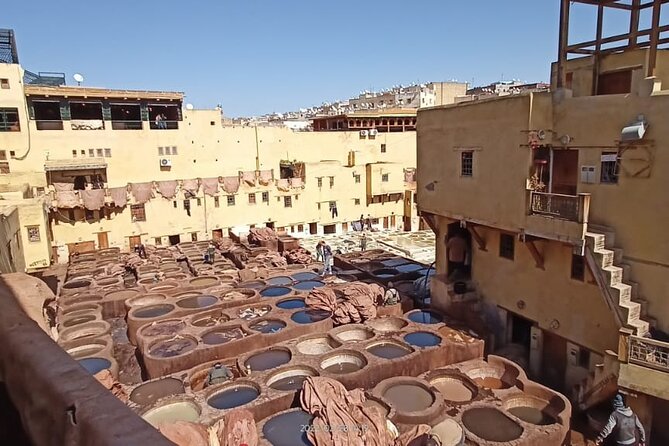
point(206, 228)
point(257, 149)
point(427, 276)
point(550, 173)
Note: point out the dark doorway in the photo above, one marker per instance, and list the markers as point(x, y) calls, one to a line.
point(217, 234)
point(521, 330)
point(565, 172)
point(616, 82)
point(455, 270)
point(174, 239)
point(313, 228)
point(553, 361)
point(270, 224)
point(103, 240)
point(330, 229)
point(134, 240)
point(385, 222)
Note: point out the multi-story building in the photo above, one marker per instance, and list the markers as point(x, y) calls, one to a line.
point(116, 167)
point(562, 198)
point(412, 96)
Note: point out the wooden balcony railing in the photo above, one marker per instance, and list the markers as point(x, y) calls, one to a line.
point(649, 353)
point(567, 207)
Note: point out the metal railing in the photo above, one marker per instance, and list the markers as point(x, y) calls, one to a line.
point(44, 78)
point(126, 125)
point(649, 353)
point(45, 124)
point(555, 205)
point(163, 125)
point(87, 124)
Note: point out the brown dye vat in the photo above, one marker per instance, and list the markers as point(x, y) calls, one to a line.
point(238, 294)
point(109, 281)
point(269, 359)
point(171, 412)
point(148, 279)
point(490, 424)
point(151, 311)
point(176, 276)
point(343, 362)
point(409, 397)
point(382, 407)
point(75, 310)
point(186, 294)
point(317, 345)
point(169, 348)
point(290, 379)
point(80, 299)
point(209, 319)
point(167, 327)
point(532, 415)
point(490, 382)
point(354, 334)
point(223, 335)
point(121, 295)
point(253, 284)
point(193, 302)
point(92, 347)
point(76, 320)
point(453, 389)
point(535, 410)
point(77, 285)
point(162, 287)
point(86, 330)
point(388, 350)
point(253, 312)
point(268, 326)
point(203, 282)
point(150, 392)
point(143, 300)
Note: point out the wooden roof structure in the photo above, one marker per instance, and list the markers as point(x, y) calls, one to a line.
point(636, 38)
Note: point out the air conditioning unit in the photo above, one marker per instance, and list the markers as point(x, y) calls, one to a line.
point(164, 162)
point(363, 133)
point(373, 132)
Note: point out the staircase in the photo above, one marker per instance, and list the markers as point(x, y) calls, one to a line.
point(605, 262)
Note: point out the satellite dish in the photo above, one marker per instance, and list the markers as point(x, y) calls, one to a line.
point(78, 78)
point(189, 106)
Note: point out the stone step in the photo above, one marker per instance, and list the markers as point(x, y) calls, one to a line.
point(631, 312)
point(639, 326)
point(608, 233)
point(614, 274)
point(595, 240)
point(644, 306)
point(604, 257)
point(622, 293)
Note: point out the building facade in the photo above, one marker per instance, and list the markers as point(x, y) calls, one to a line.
point(560, 196)
point(187, 177)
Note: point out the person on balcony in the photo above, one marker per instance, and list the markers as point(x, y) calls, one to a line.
point(456, 249)
point(624, 423)
point(218, 374)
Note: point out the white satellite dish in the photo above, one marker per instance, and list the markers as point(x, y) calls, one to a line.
point(78, 78)
point(189, 106)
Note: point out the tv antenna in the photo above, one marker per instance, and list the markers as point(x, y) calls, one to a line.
point(78, 78)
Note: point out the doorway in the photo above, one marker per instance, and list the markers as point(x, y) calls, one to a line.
point(554, 361)
point(81, 247)
point(269, 224)
point(385, 222)
point(521, 330)
point(455, 270)
point(217, 234)
point(134, 240)
point(313, 228)
point(103, 240)
point(330, 229)
point(392, 221)
point(557, 170)
point(174, 239)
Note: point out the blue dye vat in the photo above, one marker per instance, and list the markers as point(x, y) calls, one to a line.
point(393, 262)
point(304, 276)
point(280, 280)
point(94, 365)
point(308, 285)
point(424, 271)
point(291, 304)
point(422, 339)
point(275, 291)
point(235, 397)
point(267, 327)
point(309, 316)
point(425, 317)
point(288, 429)
point(408, 268)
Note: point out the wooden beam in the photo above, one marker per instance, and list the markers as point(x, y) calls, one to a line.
point(654, 37)
point(429, 219)
point(538, 258)
point(634, 21)
point(479, 240)
point(598, 48)
point(564, 41)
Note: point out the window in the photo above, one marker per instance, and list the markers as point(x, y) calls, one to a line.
point(9, 120)
point(217, 202)
point(383, 148)
point(252, 198)
point(265, 197)
point(83, 153)
point(617, 82)
point(126, 116)
point(3, 155)
point(212, 122)
point(107, 153)
point(4, 84)
point(287, 202)
point(193, 236)
point(74, 154)
point(33, 233)
point(174, 203)
point(356, 177)
point(319, 206)
point(187, 206)
point(174, 150)
point(158, 241)
point(331, 182)
point(467, 164)
point(577, 268)
point(357, 201)
point(384, 177)
point(91, 153)
point(160, 151)
point(199, 202)
point(168, 150)
point(332, 205)
point(100, 153)
point(138, 213)
point(507, 244)
point(12, 153)
point(319, 181)
point(71, 216)
point(584, 358)
point(588, 174)
point(609, 168)
point(4, 167)
point(90, 215)
point(300, 228)
point(231, 200)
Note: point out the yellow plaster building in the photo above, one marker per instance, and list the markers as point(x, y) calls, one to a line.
point(562, 198)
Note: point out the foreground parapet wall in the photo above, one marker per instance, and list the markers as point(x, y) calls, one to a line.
point(356, 355)
point(58, 401)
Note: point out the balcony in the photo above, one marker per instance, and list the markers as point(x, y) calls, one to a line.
point(644, 364)
point(566, 207)
point(164, 125)
point(87, 124)
point(49, 124)
point(126, 125)
point(557, 216)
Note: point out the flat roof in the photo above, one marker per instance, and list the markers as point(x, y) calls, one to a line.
point(91, 92)
point(410, 112)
